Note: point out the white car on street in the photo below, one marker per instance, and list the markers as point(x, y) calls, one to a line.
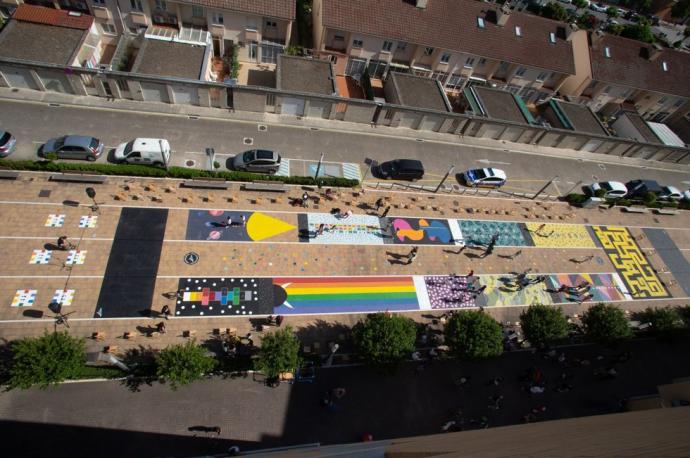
point(489, 177)
point(613, 189)
point(149, 151)
point(670, 193)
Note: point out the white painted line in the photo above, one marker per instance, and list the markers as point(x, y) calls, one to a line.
point(422, 293)
point(456, 232)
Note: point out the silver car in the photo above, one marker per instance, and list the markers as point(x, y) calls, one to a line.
point(257, 160)
point(73, 147)
point(7, 143)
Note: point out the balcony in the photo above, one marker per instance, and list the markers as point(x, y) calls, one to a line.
point(184, 35)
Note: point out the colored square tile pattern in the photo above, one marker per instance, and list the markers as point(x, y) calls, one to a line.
point(547, 235)
point(75, 257)
point(55, 220)
point(24, 298)
point(88, 221)
point(41, 257)
point(63, 296)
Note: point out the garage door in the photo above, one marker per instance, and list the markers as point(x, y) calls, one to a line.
point(430, 123)
point(492, 131)
point(318, 109)
point(408, 120)
point(19, 77)
point(54, 81)
point(290, 106)
point(154, 92)
point(185, 95)
point(591, 145)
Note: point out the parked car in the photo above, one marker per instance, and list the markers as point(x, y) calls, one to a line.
point(598, 7)
point(73, 147)
point(638, 188)
point(154, 151)
point(400, 169)
point(489, 177)
point(257, 160)
point(612, 189)
point(7, 143)
point(670, 193)
point(686, 196)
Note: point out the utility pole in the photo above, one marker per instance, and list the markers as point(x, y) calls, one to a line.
point(318, 169)
point(450, 170)
point(545, 186)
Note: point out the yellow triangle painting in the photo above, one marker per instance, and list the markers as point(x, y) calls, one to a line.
point(260, 226)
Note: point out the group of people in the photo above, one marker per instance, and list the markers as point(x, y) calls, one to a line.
point(578, 293)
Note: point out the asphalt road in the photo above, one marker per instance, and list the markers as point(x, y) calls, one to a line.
point(34, 123)
point(107, 419)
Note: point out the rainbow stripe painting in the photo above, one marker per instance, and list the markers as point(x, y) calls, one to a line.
point(314, 295)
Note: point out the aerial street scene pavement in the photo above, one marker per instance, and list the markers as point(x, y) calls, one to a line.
point(315, 228)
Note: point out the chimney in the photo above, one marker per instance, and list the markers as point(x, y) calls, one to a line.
point(570, 30)
point(421, 4)
point(597, 39)
point(653, 52)
point(502, 15)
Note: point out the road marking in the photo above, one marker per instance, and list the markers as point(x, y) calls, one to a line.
point(487, 161)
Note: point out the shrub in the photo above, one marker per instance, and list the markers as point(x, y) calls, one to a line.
point(278, 353)
point(606, 324)
point(474, 335)
point(384, 339)
point(183, 364)
point(46, 360)
point(543, 324)
point(663, 319)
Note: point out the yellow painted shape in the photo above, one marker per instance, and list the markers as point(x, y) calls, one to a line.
point(352, 290)
point(260, 226)
point(561, 236)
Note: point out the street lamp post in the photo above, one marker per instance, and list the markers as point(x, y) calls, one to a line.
point(450, 170)
point(318, 169)
point(545, 186)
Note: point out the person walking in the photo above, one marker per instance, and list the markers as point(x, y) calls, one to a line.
point(385, 211)
point(165, 311)
point(161, 327)
point(243, 219)
point(379, 204)
point(321, 228)
point(412, 255)
point(228, 222)
point(478, 291)
point(305, 200)
point(470, 273)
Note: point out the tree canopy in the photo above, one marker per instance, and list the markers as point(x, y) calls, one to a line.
point(384, 338)
point(606, 323)
point(183, 363)
point(278, 353)
point(555, 11)
point(46, 360)
point(474, 335)
point(543, 324)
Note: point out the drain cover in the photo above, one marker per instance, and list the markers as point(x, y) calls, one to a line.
point(189, 163)
point(248, 141)
point(44, 193)
point(263, 127)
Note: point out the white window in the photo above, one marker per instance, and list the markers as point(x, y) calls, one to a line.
point(445, 57)
point(455, 82)
point(357, 43)
point(480, 22)
point(521, 71)
point(251, 24)
point(217, 18)
point(337, 37)
point(664, 65)
point(197, 11)
point(552, 37)
point(387, 46)
point(518, 30)
point(428, 51)
point(543, 76)
point(108, 28)
point(469, 62)
point(439, 76)
point(136, 5)
point(271, 24)
point(161, 5)
point(402, 46)
point(607, 52)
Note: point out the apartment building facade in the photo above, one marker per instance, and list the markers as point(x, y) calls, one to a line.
point(261, 28)
point(452, 41)
point(624, 71)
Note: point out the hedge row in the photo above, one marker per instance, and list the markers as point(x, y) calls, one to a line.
point(579, 199)
point(171, 172)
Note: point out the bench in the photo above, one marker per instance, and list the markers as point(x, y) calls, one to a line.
point(665, 211)
point(206, 184)
point(9, 174)
point(271, 186)
point(78, 178)
point(635, 209)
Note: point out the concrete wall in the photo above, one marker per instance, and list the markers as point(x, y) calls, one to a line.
point(55, 78)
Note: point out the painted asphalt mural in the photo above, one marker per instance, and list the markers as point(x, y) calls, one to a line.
point(328, 295)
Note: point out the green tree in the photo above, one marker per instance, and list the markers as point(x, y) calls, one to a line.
point(278, 354)
point(640, 31)
point(587, 21)
point(384, 338)
point(183, 363)
point(606, 324)
point(472, 334)
point(663, 319)
point(580, 3)
point(681, 9)
point(49, 359)
point(612, 12)
point(543, 324)
point(554, 11)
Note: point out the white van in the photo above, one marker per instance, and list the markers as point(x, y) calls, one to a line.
point(150, 151)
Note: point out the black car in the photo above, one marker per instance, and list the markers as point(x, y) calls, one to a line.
point(400, 169)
